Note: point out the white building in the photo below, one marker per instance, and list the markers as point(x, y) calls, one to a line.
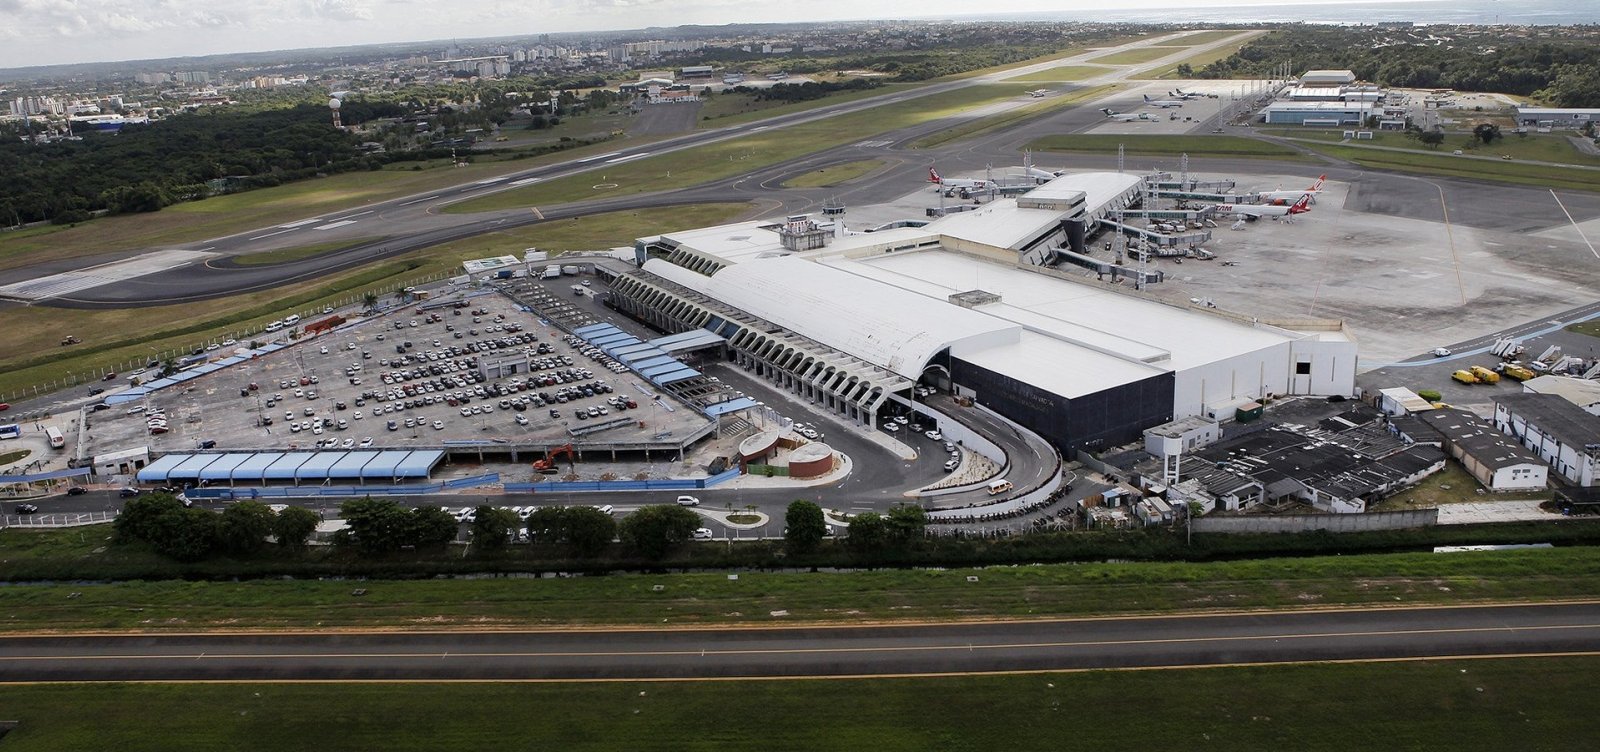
point(1561, 433)
point(1497, 462)
point(849, 321)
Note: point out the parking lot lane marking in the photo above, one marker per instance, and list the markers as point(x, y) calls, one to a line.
point(1575, 224)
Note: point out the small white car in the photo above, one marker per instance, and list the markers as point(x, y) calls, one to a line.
point(438, 425)
point(688, 501)
point(1441, 352)
point(703, 533)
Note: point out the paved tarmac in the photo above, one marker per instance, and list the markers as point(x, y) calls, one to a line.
point(1113, 643)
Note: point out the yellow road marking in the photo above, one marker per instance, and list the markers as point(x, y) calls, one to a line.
point(703, 652)
point(836, 677)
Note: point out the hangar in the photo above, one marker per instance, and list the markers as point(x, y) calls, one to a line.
point(962, 303)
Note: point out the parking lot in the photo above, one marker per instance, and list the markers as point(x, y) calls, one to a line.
point(474, 368)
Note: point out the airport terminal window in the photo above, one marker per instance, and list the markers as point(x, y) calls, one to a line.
point(1302, 369)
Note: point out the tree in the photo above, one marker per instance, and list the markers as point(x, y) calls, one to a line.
point(868, 532)
point(1184, 70)
point(189, 534)
point(589, 530)
point(294, 526)
point(806, 526)
point(1486, 132)
point(369, 300)
point(244, 527)
point(430, 527)
point(375, 526)
point(658, 528)
point(493, 527)
point(906, 523)
point(1431, 139)
point(140, 516)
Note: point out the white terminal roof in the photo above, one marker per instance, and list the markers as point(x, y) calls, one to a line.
point(1001, 223)
point(1098, 188)
point(1327, 92)
point(1319, 106)
point(895, 329)
point(733, 243)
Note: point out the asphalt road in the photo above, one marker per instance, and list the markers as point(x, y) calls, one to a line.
point(1115, 643)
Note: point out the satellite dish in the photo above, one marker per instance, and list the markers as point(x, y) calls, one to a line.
point(334, 103)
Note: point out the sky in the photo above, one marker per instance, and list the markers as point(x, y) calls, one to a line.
point(48, 32)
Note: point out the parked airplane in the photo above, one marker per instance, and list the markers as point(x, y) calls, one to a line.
point(1253, 212)
point(954, 184)
point(1181, 94)
point(1162, 103)
point(1126, 117)
point(1284, 197)
point(1038, 93)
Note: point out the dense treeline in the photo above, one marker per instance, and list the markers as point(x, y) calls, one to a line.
point(1563, 73)
point(805, 92)
point(146, 167)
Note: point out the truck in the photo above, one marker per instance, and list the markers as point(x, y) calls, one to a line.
point(1464, 377)
point(1485, 376)
point(1517, 372)
point(551, 272)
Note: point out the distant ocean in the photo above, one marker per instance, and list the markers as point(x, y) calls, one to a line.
point(1474, 12)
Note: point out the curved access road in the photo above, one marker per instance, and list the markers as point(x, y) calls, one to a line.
point(1112, 643)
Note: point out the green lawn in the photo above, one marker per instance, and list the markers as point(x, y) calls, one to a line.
point(721, 110)
point(1459, 705)
point(834, 174)
point(223, 215)
point(7, 458)
point(1449, 165)
point(1591, 328)
point(740, 155)
point(1058, 590)
point(1207, 37)
point(1539, 147)
point(297, 253)
point(1453, 485)
point(1198, 60)
point(1194, 146)
point(1009, 117)
point(113, 338)
point(1133, 56)
point(1062, 73)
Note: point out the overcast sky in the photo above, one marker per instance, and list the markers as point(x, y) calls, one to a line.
point(44, 32)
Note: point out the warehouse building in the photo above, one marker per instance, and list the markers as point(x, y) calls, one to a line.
point(1325, 114)
point(1561, 433)
point(1497, 462)
point(854, 321)
point(1556, 117)
point(1334, 78)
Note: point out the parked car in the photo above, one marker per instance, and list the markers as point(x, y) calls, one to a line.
point(688, 501)
point(77, 491)
point(27, 508)
point(128, 493)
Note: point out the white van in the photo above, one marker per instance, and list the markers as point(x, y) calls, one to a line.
point(291, 319)
point(688, 501)
point(274, 326)
point(999, 486)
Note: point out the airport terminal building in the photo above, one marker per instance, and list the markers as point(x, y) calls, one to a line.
point(854, 321)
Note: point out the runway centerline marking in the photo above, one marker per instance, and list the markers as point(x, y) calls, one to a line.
point(963, 646)
point(280, 232)
point(419, 200)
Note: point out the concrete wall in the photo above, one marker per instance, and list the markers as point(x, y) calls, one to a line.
point(954, 430)
point(1338, 523)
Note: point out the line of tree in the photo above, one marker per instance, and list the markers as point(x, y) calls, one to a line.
point(807, 91)
point(190, 533)
point(1561, 72)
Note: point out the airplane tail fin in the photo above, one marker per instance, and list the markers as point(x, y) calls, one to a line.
point(933, 176)
point(1147, 97)
point(1107, 111)
point(1301, 206)
point(1317, 186)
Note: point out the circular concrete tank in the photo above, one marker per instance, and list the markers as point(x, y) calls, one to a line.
point(811, 461)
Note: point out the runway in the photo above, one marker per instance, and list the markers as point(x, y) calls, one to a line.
point(870, 651)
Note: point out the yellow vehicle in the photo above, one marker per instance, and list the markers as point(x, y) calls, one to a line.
point(1485, 375)
point(1517, 372)
point(1464, 377)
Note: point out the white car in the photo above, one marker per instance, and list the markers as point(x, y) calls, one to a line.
point(951, 465)
point(438, 425)
point(935, 435)
point(1441, 352)
point(366, 442)
point(901, 419)
point(688, 501)
point(891, 427)
point(522, 420)
point(347, 443)
point(703, 533)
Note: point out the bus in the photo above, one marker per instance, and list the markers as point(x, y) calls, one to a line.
point(57, 441)
point(10, 431)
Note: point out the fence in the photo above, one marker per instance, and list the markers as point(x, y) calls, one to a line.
point(131, 364)
point(1335, 523)
point(299, 492)
point(624, 485)
point(57, 520)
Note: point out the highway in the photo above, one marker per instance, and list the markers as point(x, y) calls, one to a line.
point(891, 650)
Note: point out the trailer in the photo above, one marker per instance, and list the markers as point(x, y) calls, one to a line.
point(551, 272)
point(1464, 377)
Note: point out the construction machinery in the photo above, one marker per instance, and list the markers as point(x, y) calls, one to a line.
point(547, 466)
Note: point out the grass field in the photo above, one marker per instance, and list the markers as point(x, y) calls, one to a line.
point(1060, 590)
point(1003, 119)
point(1194, 146)
point(1459, 705)
point(1449, 165)
point(1452, 485)
point(224, 215)
point(1536, 147)
point(1062, 73)
point(1198, 60)
point(113, 337)
point(1591, 328)
point(834, 174)
point(1133, 56)
point(736, 156)
point(734, 109)
point(1207, 37)
point(299, 252)
point(7, 458)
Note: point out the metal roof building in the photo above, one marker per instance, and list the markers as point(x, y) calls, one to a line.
point(297, 467)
